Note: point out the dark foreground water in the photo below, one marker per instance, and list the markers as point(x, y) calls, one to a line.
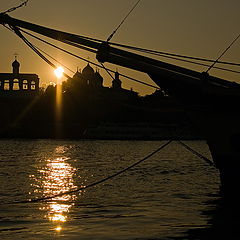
point(166, 197)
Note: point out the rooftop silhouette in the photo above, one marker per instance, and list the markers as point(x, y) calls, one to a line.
point(18, 84)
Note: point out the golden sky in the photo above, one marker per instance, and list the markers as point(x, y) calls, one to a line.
point(189, 27)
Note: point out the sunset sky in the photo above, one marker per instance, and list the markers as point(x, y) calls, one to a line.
point(196, 28)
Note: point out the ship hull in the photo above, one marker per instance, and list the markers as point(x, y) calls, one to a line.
point(211, 108)
point(221, 129)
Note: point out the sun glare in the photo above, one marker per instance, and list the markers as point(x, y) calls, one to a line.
point(59, 72)
point(58, 229)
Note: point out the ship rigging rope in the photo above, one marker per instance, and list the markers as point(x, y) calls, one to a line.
point(208, 161)
point(124, 19)
point(148, 51)
point(83, 59)
point(15, 8)
point(153, 52)
point(161, 54)
point(231, 44)
point(109, 70)
point(200, 64)
point(40, 50)
point(16, 30)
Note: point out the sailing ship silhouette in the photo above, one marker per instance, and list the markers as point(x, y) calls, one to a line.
point(210, 102)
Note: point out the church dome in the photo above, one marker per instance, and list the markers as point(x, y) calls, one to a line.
point(77, 75)
point(98, 76)
point(117, 83)
point(88, 71)
point(15, 64)
point(99, 79)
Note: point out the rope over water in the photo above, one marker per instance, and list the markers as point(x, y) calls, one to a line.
point(97, 182)
point(82, 188)
point(208, 161)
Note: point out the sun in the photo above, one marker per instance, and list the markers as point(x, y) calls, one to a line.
point(59, 72)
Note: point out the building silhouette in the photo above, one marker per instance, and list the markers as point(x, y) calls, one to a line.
point(117, 83)
point(90, 81)
point(88, 77)
point(86, 103)
point(18, 84)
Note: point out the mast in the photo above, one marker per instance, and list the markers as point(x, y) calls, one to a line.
point(174, 79)
point(105, 53)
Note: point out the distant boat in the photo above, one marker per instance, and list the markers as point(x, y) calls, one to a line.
point(137, 131)
point(211, 103)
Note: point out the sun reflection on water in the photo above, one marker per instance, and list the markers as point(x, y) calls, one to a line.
point(55, 177)
point(58, 229)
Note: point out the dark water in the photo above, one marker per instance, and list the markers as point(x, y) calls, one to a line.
point(165, 197)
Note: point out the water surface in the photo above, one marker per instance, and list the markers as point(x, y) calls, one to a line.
point(162, 198)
